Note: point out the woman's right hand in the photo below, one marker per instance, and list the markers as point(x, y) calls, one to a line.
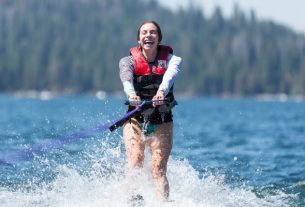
point(134, 100)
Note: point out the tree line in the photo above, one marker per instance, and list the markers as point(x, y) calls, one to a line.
point(75, 46)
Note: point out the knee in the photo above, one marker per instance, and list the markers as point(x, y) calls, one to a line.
point(136, 160)
point(158, 171)
point(158, 164)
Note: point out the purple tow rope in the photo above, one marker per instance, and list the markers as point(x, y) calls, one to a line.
point(17, 156)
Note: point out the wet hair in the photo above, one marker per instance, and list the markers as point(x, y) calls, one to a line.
point(154, 23)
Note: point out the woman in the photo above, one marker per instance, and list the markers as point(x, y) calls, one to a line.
point(148, 74)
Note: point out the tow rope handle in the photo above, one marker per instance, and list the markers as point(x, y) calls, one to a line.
point(132, 113)
point(140, 102)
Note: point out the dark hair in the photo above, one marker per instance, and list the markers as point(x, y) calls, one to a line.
point(154, 23)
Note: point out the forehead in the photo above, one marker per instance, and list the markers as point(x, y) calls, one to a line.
point(148, 26)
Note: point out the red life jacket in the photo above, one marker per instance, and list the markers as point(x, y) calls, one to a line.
point(147, 79)
point(141, 66)
point(148, 76)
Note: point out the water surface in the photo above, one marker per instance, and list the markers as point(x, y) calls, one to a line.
point(227, 152)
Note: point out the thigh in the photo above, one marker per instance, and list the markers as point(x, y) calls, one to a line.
point(134, 144)
point(161, 143)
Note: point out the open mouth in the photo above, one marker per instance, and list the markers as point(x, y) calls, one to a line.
point(148, 42)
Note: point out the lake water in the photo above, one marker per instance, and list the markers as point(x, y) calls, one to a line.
point(227, 153)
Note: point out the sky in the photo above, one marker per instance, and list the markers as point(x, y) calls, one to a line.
point(289, 13)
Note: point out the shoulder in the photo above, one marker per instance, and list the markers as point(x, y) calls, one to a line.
point(166, 49)
point(127, 60)
point(174, 58)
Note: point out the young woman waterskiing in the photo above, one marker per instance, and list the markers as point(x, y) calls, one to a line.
point(148, 73)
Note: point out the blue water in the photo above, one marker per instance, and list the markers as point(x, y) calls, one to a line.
point(227, 153)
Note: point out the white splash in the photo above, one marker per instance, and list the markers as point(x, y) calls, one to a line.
point(105, 185)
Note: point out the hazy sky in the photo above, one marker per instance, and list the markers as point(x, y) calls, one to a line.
point(290, 13)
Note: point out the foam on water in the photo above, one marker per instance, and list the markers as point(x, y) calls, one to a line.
point(102, 181)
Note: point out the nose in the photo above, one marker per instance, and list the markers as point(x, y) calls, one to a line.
point(150, 35)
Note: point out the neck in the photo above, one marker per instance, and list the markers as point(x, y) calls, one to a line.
point(149, 55)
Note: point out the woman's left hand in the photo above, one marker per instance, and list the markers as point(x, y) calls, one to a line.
point(158, 96)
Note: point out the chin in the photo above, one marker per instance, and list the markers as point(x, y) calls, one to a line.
point(153, 47)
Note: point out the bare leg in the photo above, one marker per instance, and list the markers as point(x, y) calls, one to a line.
point(160, 145)
point(134, 144)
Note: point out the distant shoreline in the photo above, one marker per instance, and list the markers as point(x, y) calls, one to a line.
point(47, 95)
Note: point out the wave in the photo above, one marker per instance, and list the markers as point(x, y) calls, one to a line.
point(99, 178)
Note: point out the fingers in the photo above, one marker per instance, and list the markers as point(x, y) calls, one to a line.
point(158, 99)
point(134, 100)
point(158, 96)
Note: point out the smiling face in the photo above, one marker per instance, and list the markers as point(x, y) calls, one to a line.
point(148, 36)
